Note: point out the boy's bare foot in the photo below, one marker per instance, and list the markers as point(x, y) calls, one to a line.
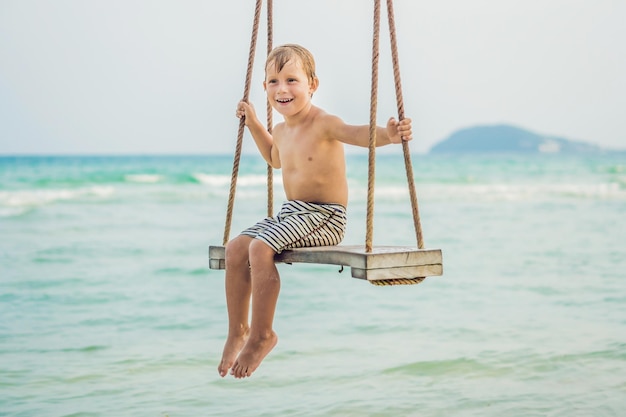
point(232, 347)
point(252, 355)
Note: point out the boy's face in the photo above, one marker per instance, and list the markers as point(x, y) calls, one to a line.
point(289, 90)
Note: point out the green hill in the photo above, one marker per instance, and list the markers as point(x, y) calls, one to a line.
point(506, 139)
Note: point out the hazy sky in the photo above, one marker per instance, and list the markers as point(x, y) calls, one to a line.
point(156, 76)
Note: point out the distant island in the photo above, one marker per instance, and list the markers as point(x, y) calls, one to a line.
point(507, 139)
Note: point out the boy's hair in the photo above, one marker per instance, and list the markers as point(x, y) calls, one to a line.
point(285, 53)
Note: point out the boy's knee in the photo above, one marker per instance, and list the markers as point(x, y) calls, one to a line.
point(236, 250)
point(261, 251)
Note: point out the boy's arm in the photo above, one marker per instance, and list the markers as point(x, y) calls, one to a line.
point(394, 132)
point(263, 139)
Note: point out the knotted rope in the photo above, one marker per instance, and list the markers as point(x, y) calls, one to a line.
point(246, 95)
point(405, 146)
point(371, 165)
point(270, 170)
point(397, 281)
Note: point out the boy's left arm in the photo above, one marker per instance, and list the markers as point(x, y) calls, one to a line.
point(394, 132)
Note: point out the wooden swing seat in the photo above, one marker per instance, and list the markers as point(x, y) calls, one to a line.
point(383, 263)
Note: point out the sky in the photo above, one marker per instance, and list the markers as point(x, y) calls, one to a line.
point(164, 77)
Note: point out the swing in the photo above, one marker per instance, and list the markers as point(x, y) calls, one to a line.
point(380, 265)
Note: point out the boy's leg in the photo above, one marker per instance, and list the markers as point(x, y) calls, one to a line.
point(238, 290)
point(265, 290)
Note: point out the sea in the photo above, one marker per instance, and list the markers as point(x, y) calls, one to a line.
point(108, 306)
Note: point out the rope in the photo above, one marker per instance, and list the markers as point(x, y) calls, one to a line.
point(405, 146)
point(397, 281)
point(371, 171)
point(246, 95)
point(270, 171)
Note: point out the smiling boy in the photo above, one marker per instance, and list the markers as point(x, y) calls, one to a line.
point(308, 147)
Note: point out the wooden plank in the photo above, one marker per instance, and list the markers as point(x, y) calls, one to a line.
point(217, 263)
point(384, 262)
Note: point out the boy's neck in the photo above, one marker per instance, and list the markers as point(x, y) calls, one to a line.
point(299, 117)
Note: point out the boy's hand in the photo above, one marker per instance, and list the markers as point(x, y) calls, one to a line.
point(399, 131)
point(246, 111)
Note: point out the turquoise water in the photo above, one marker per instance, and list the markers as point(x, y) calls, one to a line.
point(109, 309)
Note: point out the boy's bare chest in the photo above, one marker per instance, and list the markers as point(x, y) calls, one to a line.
point(302, 149)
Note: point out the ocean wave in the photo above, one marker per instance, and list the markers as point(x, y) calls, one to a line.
point(466, 367)
point(253, 187)
point(616, 169)
point(244, 181)
point(144, 178)
point(17, 202)
point(455, 192)
point(214, 180)
point(519, 192)
point(494, 192)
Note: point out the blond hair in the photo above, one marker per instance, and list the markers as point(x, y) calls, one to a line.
point(280, 55)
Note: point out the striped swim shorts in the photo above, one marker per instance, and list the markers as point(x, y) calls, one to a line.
point(301, 224)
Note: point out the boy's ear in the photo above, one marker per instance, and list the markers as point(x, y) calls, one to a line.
point(264, 86)
point(313, 85)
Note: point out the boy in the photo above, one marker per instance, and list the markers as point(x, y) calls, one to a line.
point(308, 146)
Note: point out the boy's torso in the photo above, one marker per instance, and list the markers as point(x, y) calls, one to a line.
point(313, 166)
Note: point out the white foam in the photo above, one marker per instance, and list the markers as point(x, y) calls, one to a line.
point(521, 192)
point(244, 181)
point(495, 191)
point(256, 180)
point(215, 180)
point(143, 178)
point(16, 202)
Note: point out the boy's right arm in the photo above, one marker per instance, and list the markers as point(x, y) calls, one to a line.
point(261, 136)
